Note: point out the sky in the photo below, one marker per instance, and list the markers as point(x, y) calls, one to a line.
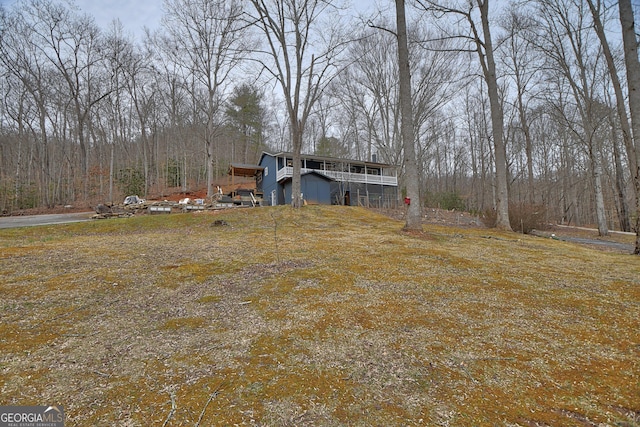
point(133, 14)
point(136, 14)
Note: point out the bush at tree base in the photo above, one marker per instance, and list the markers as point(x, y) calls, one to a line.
point(523, 217)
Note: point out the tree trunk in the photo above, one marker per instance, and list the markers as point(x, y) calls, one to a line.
point(625, 224)
point(296, 181)
point(210, 143)
point(145, 157)
point(184, 170)
point(633, 80)
point(617, 87)
point(596, 176)
point(210, 165)
point(620, 187)
point(528, 143)
point(623, 214)
point(111, 171)
point(497, 122)
point(414, 211)
point(84, 156)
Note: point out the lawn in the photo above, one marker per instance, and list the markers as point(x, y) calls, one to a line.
point(323, 316)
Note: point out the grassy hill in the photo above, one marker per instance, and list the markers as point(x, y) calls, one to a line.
point(321, 316)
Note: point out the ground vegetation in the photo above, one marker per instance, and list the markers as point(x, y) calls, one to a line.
point(316, 316)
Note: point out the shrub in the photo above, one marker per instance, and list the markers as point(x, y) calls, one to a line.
point(489, 218)
point(27, 196)
point(523, 217)
point(449, 200)
point(131, 181)
point(174, 173)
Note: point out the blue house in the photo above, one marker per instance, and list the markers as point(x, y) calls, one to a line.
point(327, 180)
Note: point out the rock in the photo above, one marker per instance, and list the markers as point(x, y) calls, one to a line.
point(102, 209)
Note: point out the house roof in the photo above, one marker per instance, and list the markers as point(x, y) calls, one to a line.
point(240, 169)
point(325, 158)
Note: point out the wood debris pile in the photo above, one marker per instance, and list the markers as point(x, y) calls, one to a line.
point(134, 205)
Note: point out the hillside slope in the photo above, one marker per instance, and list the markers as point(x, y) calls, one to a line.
point(321, 316)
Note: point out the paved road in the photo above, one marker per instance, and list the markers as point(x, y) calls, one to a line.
point(31, 220)
point(612, 245)
point(623, 247)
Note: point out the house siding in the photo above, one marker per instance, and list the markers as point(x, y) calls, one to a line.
point(363, 183)
point(269, 181)
point(315, 189)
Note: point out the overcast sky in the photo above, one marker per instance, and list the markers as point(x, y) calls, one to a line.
point(136, 14)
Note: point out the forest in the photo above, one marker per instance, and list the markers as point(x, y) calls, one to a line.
point(91, 114)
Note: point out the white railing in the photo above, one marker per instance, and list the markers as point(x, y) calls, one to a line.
point(360, 178)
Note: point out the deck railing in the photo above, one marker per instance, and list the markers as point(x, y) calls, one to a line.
point(359, 178)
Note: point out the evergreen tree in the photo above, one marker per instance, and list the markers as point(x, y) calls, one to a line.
point(245, 116)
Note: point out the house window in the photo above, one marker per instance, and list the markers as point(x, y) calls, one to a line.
point(312, 164)
point(266, 171)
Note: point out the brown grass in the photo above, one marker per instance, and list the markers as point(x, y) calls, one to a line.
point(168, 320)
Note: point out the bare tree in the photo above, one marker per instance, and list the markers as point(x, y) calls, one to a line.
point(597, 8)
point(72, 44)
point(26, 93)
point(175, 101)
point(372, 82)
point(477, 135)
point(632, 65)
point(521, 61)
point(565, 40)
point(205, 37)
point(301, 54)
point(119, 53)
point(620, 172)
point(414, 210)
point(370, 88)
point(355, 115)
point(141, 91)
point(479, 35)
